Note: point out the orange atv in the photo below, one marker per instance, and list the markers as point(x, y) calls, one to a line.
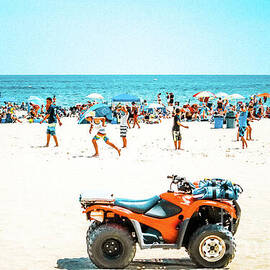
point(171, 220)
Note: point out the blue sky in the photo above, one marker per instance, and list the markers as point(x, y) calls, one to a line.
point(135, 37)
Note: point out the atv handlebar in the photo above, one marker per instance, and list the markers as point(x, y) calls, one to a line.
point(176, 179)
point(182, 184)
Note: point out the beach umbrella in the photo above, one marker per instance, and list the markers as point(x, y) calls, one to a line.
point(264, 95)
point(204, 94)
point(95, 96)
point(98, 110)
point(125, 98)
point(221, 95)
point(97, 106)
point(155, 106)
point(35, 100)
point(235, 96)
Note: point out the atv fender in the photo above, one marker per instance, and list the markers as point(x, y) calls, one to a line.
point(194, 207)
point(167, 227)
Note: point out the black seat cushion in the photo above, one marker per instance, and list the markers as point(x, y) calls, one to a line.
point(137, 206)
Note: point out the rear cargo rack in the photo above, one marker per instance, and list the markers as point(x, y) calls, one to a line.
point(86, 202)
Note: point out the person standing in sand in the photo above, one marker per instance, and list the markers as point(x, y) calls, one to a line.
point(250, 118)
point(177, 137)
point(51, 115)
point(242, 125)
point(99, 124)
point(124, 124)
point(135, 115)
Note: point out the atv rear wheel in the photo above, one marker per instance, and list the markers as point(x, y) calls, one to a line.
point(212, 246)
point(110, 246)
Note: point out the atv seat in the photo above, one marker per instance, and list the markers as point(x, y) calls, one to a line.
point(137, 206)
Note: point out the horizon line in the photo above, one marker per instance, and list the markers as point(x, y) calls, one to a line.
point(138, 74)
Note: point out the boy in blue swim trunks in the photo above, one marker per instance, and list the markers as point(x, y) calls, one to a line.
point(51, 115)
point(242, 125)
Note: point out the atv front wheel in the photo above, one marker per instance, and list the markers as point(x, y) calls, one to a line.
point(110, 246)
point(212, 246)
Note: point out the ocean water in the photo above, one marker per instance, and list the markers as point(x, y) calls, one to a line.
point(72, 89)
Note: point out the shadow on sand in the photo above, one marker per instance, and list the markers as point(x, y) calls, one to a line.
point(85, 264)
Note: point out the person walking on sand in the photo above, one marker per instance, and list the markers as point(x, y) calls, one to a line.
point(99, 124)
point(242, 125)
point(124, 124)
point(51, 115)
point(135, 114)
point(177, 137)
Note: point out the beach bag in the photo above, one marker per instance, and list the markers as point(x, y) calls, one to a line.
point(217, 189)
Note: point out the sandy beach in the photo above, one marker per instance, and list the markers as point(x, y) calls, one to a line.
point(41, 224)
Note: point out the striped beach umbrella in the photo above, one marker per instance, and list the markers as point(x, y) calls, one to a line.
point(204, 94)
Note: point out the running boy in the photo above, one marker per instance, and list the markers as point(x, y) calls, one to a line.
point(99, 124)
point(177, 138)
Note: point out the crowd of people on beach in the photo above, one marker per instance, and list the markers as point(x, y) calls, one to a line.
point(131, 115)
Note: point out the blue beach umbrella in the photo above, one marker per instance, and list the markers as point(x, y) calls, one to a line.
point(101, 110)
point(97, 106)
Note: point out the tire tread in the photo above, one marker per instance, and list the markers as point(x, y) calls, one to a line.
point(211, 227)
point(95, 230)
